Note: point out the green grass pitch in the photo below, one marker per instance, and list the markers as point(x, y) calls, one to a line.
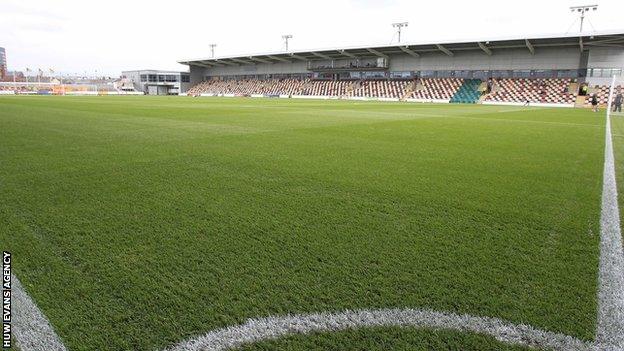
point(137, 222)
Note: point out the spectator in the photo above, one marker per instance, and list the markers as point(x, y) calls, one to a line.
point(617, 102)
point(594, 102)
point(584, 90)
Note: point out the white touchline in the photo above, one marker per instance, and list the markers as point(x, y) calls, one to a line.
point(31, 328)
point(610, 324)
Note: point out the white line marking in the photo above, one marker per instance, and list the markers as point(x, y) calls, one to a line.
point(610, 329)
point(268, 328)
point(31, 329)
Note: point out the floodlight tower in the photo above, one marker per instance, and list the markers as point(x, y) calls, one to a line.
point(582, 10)
point(212, 46)
point(399, 26)
point(286, 37)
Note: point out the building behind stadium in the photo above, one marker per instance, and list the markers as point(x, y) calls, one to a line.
point(156, 82)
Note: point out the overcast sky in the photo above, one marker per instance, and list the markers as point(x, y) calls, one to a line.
point(74, 36)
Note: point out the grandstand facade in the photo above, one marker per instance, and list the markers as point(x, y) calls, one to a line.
point(538, 70)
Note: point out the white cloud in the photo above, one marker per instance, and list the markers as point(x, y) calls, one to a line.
point(113, 35)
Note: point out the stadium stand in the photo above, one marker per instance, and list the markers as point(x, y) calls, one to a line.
point(427, 71)
point(455, 90)
point(468, 93)
point(437, 88)
point(329, 88)
point(364, 88)
point(522, 90)
point(602, 93)
point(381, 89)
point(18, 88)
point(250, 87)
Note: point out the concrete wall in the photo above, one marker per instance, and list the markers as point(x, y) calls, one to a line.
point(197, 75)
point(500, 60)
point(606, 58)
point(259, 68)
point(605, 81)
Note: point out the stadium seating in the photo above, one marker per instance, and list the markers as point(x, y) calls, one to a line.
point(365, 88)
point(437, 88)
point(468, 93)
point(17, 87)
point(328, 88)
point(522, 90)
point(381, 89)
point(455, 90)
point(602, 93)
point(249, 87)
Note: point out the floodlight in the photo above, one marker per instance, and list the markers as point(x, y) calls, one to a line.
point(286, 37)
point(582, 10)
point(399, 26)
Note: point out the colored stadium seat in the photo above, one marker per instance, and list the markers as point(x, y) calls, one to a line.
point(522, 90)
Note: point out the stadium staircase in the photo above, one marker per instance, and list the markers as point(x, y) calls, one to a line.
point(468, 93)
point(580, 101)
point(409, 90)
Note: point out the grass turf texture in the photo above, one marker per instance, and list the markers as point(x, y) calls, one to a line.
point(384, 339)
point(136, 222)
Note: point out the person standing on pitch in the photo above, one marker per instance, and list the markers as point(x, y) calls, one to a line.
point(617, 102)
point(594, 102)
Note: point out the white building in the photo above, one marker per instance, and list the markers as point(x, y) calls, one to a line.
point(155, 82)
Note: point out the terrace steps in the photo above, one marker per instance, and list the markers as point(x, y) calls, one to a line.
point(468, 92)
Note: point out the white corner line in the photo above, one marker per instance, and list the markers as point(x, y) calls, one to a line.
point(269, 328)
point(610, 323)
point(31, 329)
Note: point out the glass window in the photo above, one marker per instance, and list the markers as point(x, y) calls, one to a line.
point(186, 79)
point(463, 74)
point(143, 77)
point(374, 74)
point(405, 74)
point(152, 78)
point(522, 74)
point(541, 73)
point(501, 74)
point(481, 74)
point(567, 73)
